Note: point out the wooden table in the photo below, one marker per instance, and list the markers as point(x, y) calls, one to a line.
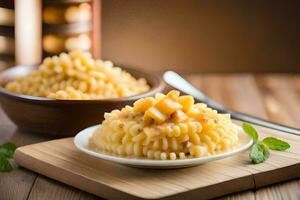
point(270, 96)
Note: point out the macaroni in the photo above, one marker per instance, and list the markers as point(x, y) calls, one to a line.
point(165, 127)
point(77, 76)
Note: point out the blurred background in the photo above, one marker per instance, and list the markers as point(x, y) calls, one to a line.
point(185, 35)
point(202, 35)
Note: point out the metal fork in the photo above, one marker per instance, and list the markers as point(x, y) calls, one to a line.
point(176, 81)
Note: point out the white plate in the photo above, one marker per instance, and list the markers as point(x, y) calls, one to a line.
point(82, 139)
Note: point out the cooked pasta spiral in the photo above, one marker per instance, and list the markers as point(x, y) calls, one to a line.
point(165, 127)
point(77, 76)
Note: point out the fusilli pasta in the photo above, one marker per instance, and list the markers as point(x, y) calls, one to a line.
point(77, 76)
point(165, 127)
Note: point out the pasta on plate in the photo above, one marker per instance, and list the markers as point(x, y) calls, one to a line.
point(165, 127)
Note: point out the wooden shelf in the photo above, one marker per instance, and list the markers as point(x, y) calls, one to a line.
point(7, 4)
point(67, 29)
point(47, 54)
point(8, 31)
point(49, 2)
point(7, 57)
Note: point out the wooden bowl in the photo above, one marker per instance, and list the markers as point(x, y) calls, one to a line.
point(63, 117)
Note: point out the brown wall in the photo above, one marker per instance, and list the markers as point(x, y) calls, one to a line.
point(203, 35)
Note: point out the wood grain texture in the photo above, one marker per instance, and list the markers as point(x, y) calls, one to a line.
point(281, 98)
point(58, 190)
point(276, 110)
point(60, 160)
point(256, 104)
point(16, 184)
point(288, 190)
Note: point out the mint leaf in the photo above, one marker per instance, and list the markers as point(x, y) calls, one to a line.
point(276, 144)
point(7, 150)
point(259, 153)
point(5, 165)
point(250, 131)
point(260, 150)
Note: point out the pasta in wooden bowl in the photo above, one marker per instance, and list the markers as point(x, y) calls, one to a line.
point(77, 76)
point(69, 92)
point(166, 127)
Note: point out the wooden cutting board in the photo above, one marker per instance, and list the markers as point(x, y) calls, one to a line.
point(60, 160)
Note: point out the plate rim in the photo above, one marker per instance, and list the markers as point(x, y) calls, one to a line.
point(87, 132)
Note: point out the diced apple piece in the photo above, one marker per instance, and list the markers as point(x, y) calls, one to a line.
point(148, 120)
point(154, 114)
point(142, 105)
point(168, 106)
point(187, 102)
point(159, 96)
point(173, 94)
point(193, 112)
point(178, 116)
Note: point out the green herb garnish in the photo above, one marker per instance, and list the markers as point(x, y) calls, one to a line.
point(250, 131)
point(7, 151)
point(276, 144)
point(260, 150)
point(259, 153)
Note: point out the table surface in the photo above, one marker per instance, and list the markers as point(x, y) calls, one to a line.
point(270, 96)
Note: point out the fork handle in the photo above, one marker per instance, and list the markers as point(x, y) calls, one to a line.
point(261, 122)
point(248, 118)
point(175, 80)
